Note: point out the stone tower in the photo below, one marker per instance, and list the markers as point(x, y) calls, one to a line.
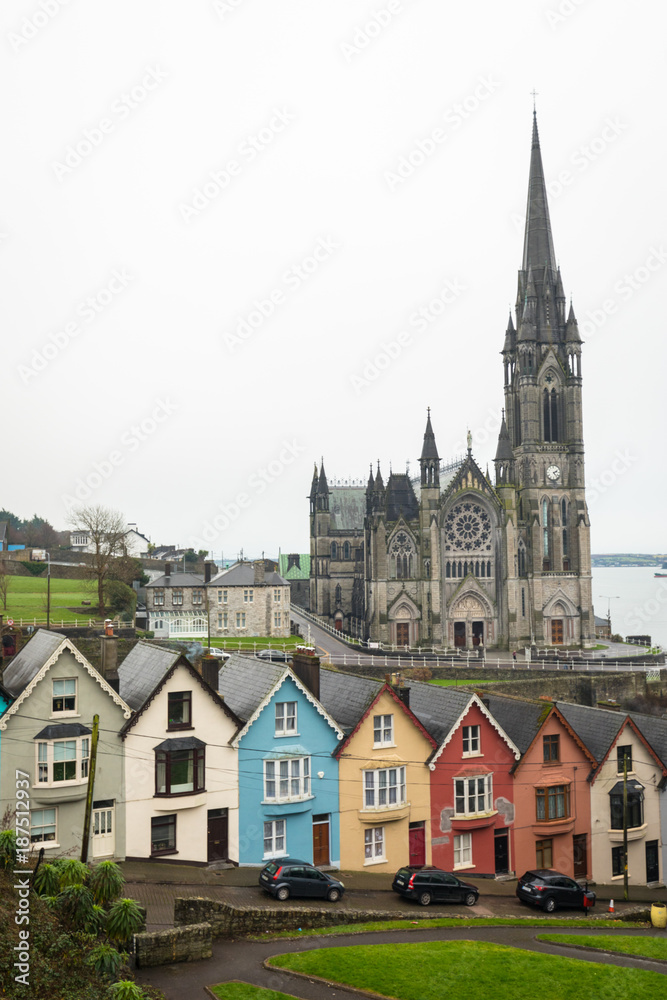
point(540, 457)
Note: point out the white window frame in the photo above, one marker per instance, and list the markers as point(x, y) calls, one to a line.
point(197, 596)
point(275, 835)
point(474, 795)
point(158, 597)
point(472, 741)
point(45, 754)
point(383, 731)
point(34, 825)
point(65, 712)
point(177, 597)
point(463, 851)
point(277, 595)
point(286, 711)
point(287, 779)
point(374, 842)
point(381, 786)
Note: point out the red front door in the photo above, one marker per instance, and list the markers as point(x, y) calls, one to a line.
point(556, 631)
point(417, 840)
point(402, 633)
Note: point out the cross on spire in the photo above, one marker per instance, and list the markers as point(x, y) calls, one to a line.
point(534, 93)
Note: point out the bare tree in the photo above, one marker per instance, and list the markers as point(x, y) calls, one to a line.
point(4, 585)
point(106, 530)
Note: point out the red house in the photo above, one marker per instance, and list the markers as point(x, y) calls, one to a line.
point(472, 794)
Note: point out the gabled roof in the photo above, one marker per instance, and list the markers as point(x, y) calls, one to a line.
point(286, 673)
point(183, 664)
point(34, 661)
point(142, 669)
point(475, 700)
point(520, 719)
point(300, 572)
point(347, 507)
point(386, 689)
point(177, 580)
point(243, 575)
point(400, 498)
point(629, 722)
point(596, 727)
point(554, 711)
point(346, 696)
point(244, 684)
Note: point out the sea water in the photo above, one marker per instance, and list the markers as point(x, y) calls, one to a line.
point(636, 598)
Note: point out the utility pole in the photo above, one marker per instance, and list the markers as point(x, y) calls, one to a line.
point(48, 590)
point(89, 794)
point(625, 827)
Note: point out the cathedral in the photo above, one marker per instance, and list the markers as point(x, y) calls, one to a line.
point(450, 558)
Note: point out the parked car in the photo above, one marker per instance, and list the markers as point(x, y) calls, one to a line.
point(218, 653)
point(275, 655)
point(285, 877)
point(431, 885)
point(550, 889)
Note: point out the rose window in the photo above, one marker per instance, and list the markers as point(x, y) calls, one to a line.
point(468, 528)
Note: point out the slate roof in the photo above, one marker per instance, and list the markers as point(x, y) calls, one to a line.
point(347, 506)
point(345, 696)
point(177, 580)
point(243, 575)
point(596, 728)
point(61, 730)
point(654, 731)
point(437, 708)
point(30, 660)
point(142, 670)
point(401, 498)
point(519, 719)
point(244, 682)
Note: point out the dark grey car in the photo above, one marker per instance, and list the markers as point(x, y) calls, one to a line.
point(285, 877)
point(550, 889)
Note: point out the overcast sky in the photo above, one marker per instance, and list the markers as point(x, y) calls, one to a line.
point(242, 235)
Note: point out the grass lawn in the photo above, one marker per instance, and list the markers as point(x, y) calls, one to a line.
point(426, 923)
point(262, 641)
point(459, 970)
point(26, 599)
point(244, 991)
point(647, 947)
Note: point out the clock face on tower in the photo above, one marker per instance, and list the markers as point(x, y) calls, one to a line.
point(553, 472)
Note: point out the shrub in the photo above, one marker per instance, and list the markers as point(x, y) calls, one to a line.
point(124, 921)
point(7, 849)
point(106, 882)
point(47, 880)
point(72, 872)
point(125, 989)
point(75, 905)
point(106, 961)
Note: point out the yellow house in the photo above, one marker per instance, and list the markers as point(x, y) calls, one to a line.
point(385, 798)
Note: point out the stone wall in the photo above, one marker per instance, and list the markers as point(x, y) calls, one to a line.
point(232, 921)
point(180, 944)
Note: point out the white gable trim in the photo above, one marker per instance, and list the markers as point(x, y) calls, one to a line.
point(474, 700)
point(43, 670)
point(289, 674)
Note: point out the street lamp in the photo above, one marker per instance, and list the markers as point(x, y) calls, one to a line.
point(48, 591)
point(609, 600)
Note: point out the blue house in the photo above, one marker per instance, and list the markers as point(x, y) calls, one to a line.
point(288, 778)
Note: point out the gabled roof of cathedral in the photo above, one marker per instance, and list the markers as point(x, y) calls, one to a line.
point(401, 498)
point(538, 247)
point(470, 476)
point(347, 506)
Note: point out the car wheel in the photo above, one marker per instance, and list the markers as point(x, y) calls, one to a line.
point(470, 899)
point(333, 895)
point(425, 898)
point(549, 904)
point(283, 893)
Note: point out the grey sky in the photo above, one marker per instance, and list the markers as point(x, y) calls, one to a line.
point(241, 235)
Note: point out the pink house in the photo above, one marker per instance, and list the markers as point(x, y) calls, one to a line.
point(552, 799)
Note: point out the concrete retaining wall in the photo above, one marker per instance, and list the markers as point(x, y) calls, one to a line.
point(182, 944)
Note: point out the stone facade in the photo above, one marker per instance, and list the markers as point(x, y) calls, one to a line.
point(448, 558)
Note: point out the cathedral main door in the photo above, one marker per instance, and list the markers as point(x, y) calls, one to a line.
point(459, 633)
point(556, 631)
point(402, 633)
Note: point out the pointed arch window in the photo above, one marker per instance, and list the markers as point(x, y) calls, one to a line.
point(339, 595)
point(550, 415)
point(522, 559)
point(563, 512)
point(448, 570)
point(346, 550)
point(402, 554)
point(334, 551)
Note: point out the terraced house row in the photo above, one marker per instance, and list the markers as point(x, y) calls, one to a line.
point(253, 760)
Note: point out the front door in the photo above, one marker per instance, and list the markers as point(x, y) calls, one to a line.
point(478, 633)
point(417, 843)
point(217, 835)
point(402, 633)
point(104, 841)
point(501, 852)
point(321, 840)
point(338, 624)
point(556, 631)
point(459, 633)
point(652, 862)
point(579, 855)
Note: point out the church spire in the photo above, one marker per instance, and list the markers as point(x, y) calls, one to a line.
point(538, 247)
point(430, 460)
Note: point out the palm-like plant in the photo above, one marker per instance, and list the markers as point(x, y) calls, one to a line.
point(7, 849)
point(125, 989)
point(76, 906)
point(124, 921)
point(106, 961)
point(72, 872)
point(106, 882)
point(47, 880)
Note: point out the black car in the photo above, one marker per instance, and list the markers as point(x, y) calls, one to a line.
point(550, 889)
point(431, 885)
point(275, 655)
point(285, 877)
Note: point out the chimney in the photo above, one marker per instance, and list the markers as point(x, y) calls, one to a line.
point(167, 569)
point(210, 667)
point(307, 669)
point(109, 660)
point(398, 685)
point(208, 571)
point(259, 572)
